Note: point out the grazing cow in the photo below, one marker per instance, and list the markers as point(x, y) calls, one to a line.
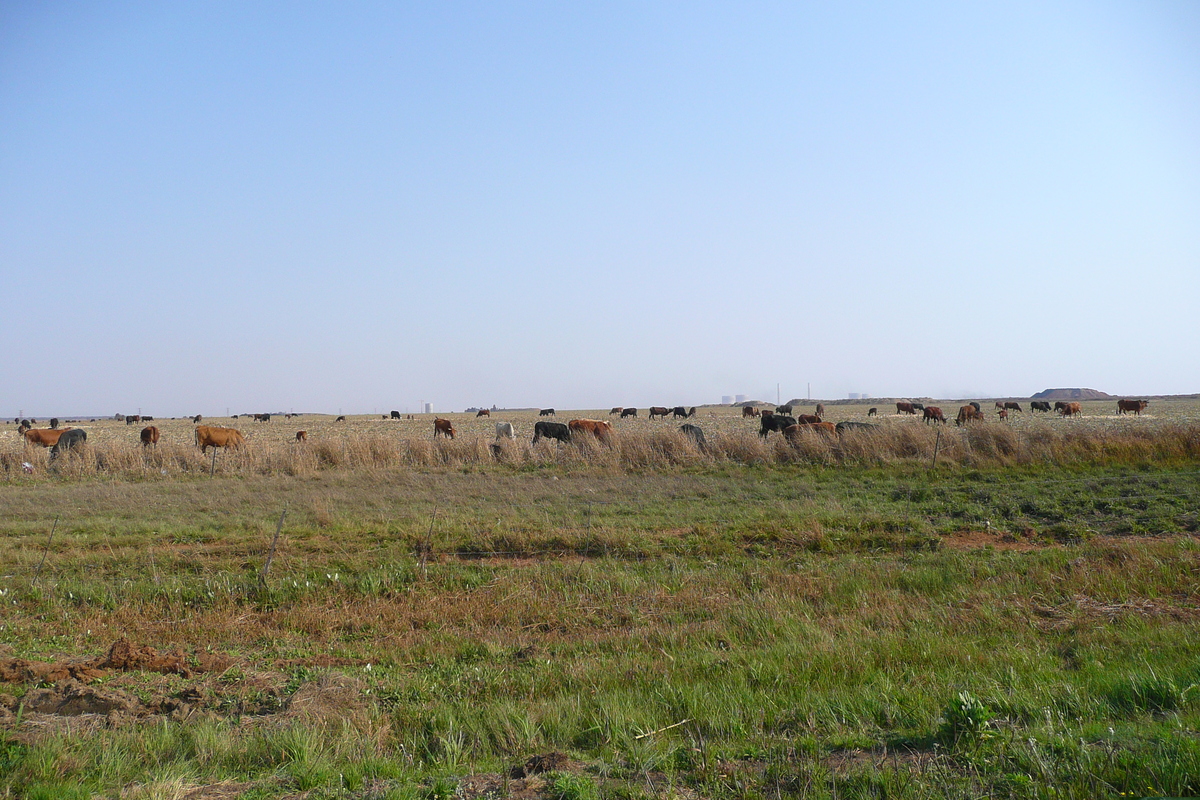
point(807, 419)
point(383, 416)
point(775, 422)
point(918, 407)
point(628, 412)
point(301, 436)
point(546, 412)
point(262, 417)
point(820, 412)
point(694, 432)
point(968, 413)
point(1039, 405)
point(872, 412)
point(999, 406)
point(749, 411)
point(659, 411)
point(132, 418)
point(1003, 414)
point(616, 410)
point(53, 422)
point(1011, 406)
point(207, 437)
point(865, 427)
point(1136, 406)
point(149, 435)
point(483, 412)
point(395, 415)
point(442, 427)
point(504, 430)
point(766, 412)
point(905, 408)
point(975, 406)
point(1071, 410)
point(679, 411)
point(785, 410)
point(933, 414)
point(692, 411)
point(551, 430)
point(196, 419)
point(44, 436)
point(793, 431)
point(71, 437)
point(600, 428)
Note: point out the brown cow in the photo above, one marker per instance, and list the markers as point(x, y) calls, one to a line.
point(1003, 414)
point(301, 436)
point(659, 411)
point(808, 419)
point(749, 411)
point(196, 419)
point(207, 437)
point(600, 428)
point(149, 435)
point(1009, 405)
point(905, 408)
point(933, 414)
point(442, 427)
point(820, 410)
point(1071, 410)
point(792, 431)
point(616, 410)
point(1136, 406)
point(44, 436)
point(628, 412)
point(483, 412)
point(968, 414)
point(999, 406)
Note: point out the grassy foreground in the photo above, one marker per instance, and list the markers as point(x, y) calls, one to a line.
point(719, 630)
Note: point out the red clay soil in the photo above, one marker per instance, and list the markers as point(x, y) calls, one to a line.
point(121, 657)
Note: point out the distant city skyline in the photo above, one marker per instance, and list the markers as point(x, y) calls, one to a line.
point(375, 205)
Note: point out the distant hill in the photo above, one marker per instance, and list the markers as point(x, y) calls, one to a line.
point(1072, 394)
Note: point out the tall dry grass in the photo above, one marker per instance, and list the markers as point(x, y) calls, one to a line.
point(976, 445)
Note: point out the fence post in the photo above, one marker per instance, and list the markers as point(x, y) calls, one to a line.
point(213, 467)
point(936, 442)
point(37, 572)
point(271, 555)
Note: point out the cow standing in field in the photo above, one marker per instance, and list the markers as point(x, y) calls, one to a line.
point(132, 418)
point(905, 408)
point(546, 412)
point(341, 418)
point(933, 414)
point(1039, 405)
point(483, 412)
point(659, 411)
point(207, 436)
point(149, 435)
point(616, 410)
point(44, 436)
point(628, 412)
point(968, 413)
point(784, 409)
point(679, 411)
point(442, 427)
point(775, 422)
point(395, 415)
point(1012, 406)
point(301, 436)
point(72, 437)
point(504, 430)
point(695, 433)
point(820, 412)
point(749, 411)
point(807, 419)
point(53, 423)
point(1071, 410)
point(872, 412)
point(1136, 406)
point(599, 428)
point(551, 430)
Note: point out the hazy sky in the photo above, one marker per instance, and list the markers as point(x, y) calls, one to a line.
point(324, 206)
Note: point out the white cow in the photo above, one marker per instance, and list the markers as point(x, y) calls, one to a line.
point(504, 430)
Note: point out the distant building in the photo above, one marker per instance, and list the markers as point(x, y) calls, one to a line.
point(741, 398)
point(854, 395)
point(429, 408)
point(726, 399)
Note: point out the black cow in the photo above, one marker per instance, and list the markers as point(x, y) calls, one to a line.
point(775, 422)
point(546, 412)
point(679, 411)
point(694, 432)
point(395, 415)
point(918, 407)
point(53, 423)
point(1039, 405)
point(628, 412)
point(783, 409)
point(197, 419)
point(872, 412)
point(132, 418)
point(975, 406)
point(70, 438)
point(551, 430)
point(339, 419)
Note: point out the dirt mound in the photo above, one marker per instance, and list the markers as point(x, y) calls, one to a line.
point(121, 657)
point(1071, 394)
point(536, 765)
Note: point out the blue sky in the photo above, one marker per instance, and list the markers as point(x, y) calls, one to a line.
point(351, 207)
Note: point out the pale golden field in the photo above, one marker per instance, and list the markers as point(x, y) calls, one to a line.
point(639, 443)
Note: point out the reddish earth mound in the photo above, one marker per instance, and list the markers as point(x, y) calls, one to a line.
point(122, 657)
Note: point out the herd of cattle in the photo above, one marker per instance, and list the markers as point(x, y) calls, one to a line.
point(779, 420)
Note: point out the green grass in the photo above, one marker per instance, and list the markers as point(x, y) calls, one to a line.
point(816, 631)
